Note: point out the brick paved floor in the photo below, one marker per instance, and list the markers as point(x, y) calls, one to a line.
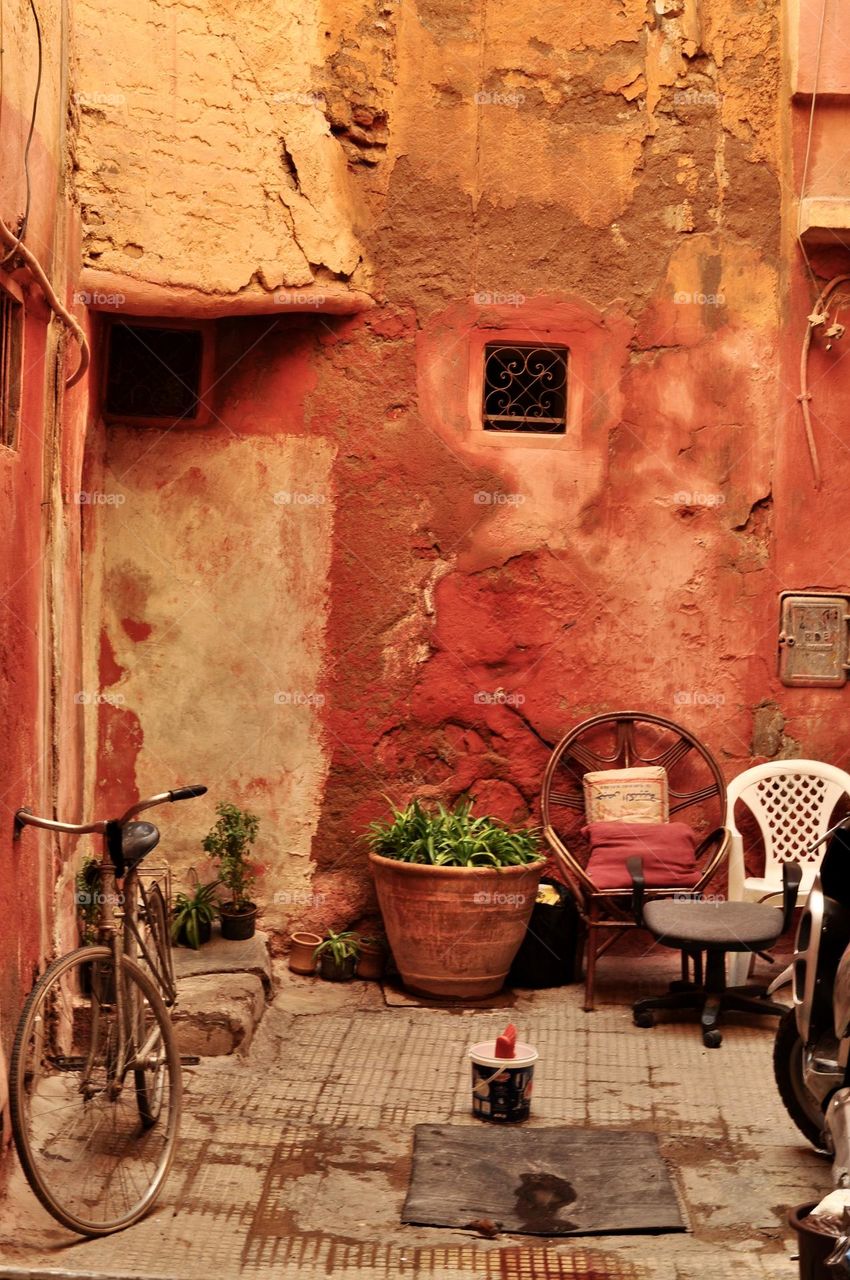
point(294, 1161)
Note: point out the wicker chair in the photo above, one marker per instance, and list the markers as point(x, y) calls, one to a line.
point(697, 793)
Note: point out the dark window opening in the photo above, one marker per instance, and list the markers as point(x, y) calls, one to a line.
point(525, 388)
point(11, 363)
point(154, 372)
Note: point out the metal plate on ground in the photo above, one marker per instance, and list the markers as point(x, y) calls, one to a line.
point(548, 1182)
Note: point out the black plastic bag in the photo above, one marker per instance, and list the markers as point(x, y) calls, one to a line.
point(547, 957)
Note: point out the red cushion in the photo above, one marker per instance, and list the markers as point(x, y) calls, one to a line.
point(667, 850)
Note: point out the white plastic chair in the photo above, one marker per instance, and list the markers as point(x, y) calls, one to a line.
point(792, 801)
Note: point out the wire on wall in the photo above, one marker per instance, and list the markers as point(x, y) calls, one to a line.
point(25, 219)
point(16, 249)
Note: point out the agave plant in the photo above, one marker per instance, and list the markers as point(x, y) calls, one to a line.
point(193, 913)
point(340, 946)
point(442, 837)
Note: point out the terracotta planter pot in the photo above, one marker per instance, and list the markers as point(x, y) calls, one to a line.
point(237, 926)
point(301, 957)
point(454, 931)
point(371, 962)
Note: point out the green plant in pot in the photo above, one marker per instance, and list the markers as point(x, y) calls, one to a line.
point(87, 888)
point(228, 844)
point(194, 912)
point(337, 955)
point(456, 892)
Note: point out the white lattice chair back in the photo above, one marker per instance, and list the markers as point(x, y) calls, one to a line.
point(792, 801)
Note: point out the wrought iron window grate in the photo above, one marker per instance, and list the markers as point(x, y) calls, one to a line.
point(154, 372)
point(525, 388)
point(11, 362)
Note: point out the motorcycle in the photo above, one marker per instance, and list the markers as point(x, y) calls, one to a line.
point(812, 1045)
point(811, 1052)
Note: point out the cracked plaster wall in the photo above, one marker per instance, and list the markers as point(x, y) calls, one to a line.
point(205, 154)
point(616, 174)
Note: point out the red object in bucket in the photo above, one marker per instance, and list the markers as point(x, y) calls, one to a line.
point(506, 1043)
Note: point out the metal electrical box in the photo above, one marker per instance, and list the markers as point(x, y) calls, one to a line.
point(813, 638)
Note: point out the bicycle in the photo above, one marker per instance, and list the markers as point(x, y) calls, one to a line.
point(95, 1075)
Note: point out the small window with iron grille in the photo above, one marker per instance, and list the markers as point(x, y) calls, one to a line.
point(11, 364)
point(525, 388)
point(157, 373)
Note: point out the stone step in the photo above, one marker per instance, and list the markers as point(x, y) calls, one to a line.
point(220, 956)
point(222, 991)
point(218, 1013)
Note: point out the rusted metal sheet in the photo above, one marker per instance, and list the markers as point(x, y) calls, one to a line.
point(552, 1182)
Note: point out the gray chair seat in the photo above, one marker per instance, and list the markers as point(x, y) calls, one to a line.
point(709, 926)
point(694, 927)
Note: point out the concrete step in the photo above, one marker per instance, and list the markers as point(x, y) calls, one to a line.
point(220, 956)
point(222, 991)
point(218, 1013)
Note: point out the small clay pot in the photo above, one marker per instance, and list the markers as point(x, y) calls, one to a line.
point(237, 926)
point(301, 952)
point(371, 962)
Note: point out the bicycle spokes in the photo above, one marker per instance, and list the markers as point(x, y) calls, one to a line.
point(95, 1092)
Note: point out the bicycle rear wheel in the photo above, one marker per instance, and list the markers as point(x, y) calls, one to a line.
point(155, 933)
point(157, 963)
point(94, 1160)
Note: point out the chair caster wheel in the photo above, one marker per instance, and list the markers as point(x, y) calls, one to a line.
point(712, 1039)
point(643, 1018)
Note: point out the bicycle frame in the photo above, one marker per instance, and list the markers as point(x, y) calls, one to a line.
point(118, 925)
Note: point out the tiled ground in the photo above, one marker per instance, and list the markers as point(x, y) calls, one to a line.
point(294, 1162)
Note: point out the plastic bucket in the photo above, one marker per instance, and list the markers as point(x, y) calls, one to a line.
point(501, 1087)
point(815, 1246)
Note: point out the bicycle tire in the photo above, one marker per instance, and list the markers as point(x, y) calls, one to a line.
point(158, 921)
point(150, 1080)
point(147, 929)
point(57, 1017)
point(151, 921)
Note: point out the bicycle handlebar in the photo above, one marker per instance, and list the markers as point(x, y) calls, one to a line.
point(188, 793)
point(26, 818)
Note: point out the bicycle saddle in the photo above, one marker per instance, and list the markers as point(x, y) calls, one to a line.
point(129, 844)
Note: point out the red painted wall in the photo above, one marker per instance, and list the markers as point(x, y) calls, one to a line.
point(40, 568)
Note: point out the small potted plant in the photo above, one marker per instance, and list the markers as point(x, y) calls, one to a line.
point(337, 956)
point(228, 844)
point(87, 889)
point(372, 958)
point(194, 912)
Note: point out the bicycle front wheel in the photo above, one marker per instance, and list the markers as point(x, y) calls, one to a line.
point(95, 1163)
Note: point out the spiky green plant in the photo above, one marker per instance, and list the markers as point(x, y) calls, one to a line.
point(442, 837)
point(192, 911)
point(341, 946)
point(87, 886)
